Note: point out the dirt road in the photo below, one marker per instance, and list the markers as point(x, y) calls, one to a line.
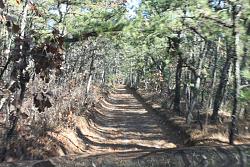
point(122, 123)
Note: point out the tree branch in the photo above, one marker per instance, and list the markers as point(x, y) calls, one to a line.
point(244, 86)
point(196, 32)
point(218, 21)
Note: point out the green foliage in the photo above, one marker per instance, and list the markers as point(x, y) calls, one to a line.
point(144, 45)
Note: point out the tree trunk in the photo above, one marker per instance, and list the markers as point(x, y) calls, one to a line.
point(131, 75)
point(214, 73)
point(196, 92)
point(177, 97)
point(222, 85)
point(236, 74)
point(22, 77)
point(236, 93)
point(103, 77)
point(91, 68)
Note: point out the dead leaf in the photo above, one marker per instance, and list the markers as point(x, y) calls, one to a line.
point(2, 18)
point(15, 28)
point(18, 2)
point(8, 24)
point(60, 41)
point(24, 115)
point(55, 32)
point(33, 7)
point(60, 51)
point(2, 4)
point(41, 101)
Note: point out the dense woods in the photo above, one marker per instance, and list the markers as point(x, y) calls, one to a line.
point(59, 58)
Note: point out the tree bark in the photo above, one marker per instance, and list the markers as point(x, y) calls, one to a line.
point(236, 74)
point(222, 84)
point(91, 68)
point(19, 66)
point(178, 74)
point(214, 73)
point(196, 92)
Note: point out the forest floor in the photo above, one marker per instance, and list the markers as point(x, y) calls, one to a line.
point(121, 124)
point(211, 134)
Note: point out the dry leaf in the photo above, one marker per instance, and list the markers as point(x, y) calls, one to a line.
point(24, 115)
point(60, 41)
point(18, 2)
point(2, 4)
point(2, 18)
point(8, 24)
point(55, 32)
point(15, 28)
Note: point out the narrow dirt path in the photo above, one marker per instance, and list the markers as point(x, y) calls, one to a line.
point(121, 123)
point(120, 130)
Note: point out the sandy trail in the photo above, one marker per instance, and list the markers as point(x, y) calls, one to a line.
point(121, 123)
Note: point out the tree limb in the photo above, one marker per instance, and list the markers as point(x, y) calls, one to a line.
point(244, 86)
point(218, 21)
point(196, 32)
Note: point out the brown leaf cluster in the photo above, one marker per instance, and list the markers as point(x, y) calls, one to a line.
point(42, 101)
point(49, 56)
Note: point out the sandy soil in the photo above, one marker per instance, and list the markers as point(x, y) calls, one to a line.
point(121, 123)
